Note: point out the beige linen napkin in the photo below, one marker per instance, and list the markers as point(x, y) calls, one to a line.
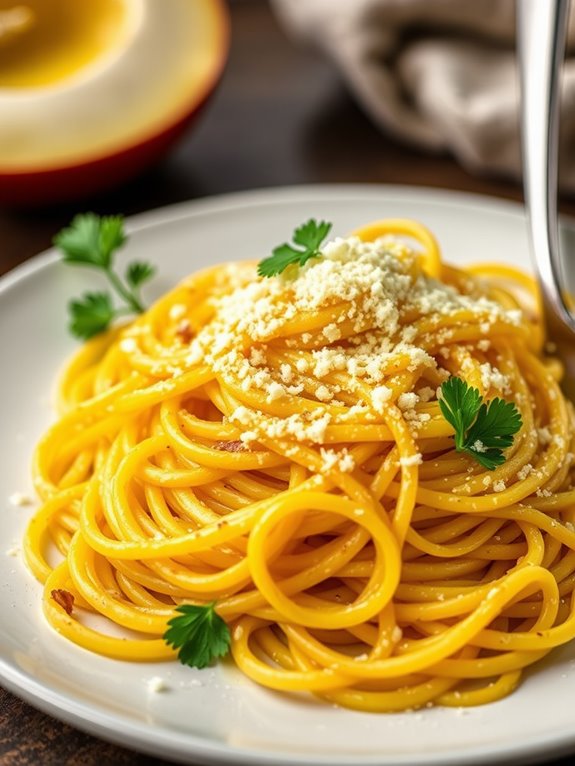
point(438, 73)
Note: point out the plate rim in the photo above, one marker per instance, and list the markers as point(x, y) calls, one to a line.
point(181, 747)
point(218, 203)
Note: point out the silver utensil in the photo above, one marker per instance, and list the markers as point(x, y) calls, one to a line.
point(541, 33)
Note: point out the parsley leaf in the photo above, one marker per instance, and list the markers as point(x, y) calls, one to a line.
point(139, 272)
point(459, 405)
point(483, 430)
point(90, 315)
point(199, 633)
point(91, 240)
point(112, 236)
point(494, 428)
point(306, 241)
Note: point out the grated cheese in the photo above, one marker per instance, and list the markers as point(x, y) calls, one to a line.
point(275, 391)
point(286, 373)
point(302, 365)
point(409, 460)
point(407, 401)
point(491, 377)
point(343, 460)
point(332, 332)
point(544, 435)
point(524, 472)
point(370, 286)
point(379, 397)
point(426, 394)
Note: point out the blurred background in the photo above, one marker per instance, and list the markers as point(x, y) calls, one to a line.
point(120, 106)
point(306, 91)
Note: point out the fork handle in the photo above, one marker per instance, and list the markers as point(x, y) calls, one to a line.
point(541, 28)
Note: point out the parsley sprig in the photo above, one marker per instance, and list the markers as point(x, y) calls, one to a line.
point(482, 430)
point(199, 633)
point(93, 241)
point(306, 241)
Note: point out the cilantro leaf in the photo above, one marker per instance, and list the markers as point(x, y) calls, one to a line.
point(139, 272)
point(90, 315)
point(307, 239)
point(483, 430)
point(199, 633)
point(92, 240)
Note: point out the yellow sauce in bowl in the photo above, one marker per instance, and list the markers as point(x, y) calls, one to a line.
point(43, 42)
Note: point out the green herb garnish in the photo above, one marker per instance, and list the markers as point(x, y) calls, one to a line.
point(306, 241)
point(93, 241)
point(482, 430)
point(199, 633)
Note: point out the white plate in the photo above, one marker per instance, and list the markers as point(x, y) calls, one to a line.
point(216, 716)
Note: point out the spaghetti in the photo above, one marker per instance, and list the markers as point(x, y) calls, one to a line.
point(277, 445)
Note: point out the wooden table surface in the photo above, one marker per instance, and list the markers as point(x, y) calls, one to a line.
point(281, 116)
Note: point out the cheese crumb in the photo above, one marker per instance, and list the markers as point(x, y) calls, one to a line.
point(275, 391)
point(332, 332)
point(248, 437)
point(177, 311)
point(544, 435)
point(302, 365)
point(499, 486)
point(157, 684)
point(409, 460)
point(257, 357)
point(323, 393)
point(286, 373)
point(407, 401)
point(524, 472)
point(379, 397)
point(491, 377)
point(315, 432)
point(128, 345)
point(19, 499)
point(426, 394)
point(343, 460)
point(346, 462)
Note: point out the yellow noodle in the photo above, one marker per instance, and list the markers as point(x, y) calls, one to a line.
point(363, 559)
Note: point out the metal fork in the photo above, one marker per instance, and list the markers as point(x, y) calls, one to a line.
point(541, 33)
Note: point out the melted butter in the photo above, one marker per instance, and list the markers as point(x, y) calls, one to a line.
point(43, 42)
